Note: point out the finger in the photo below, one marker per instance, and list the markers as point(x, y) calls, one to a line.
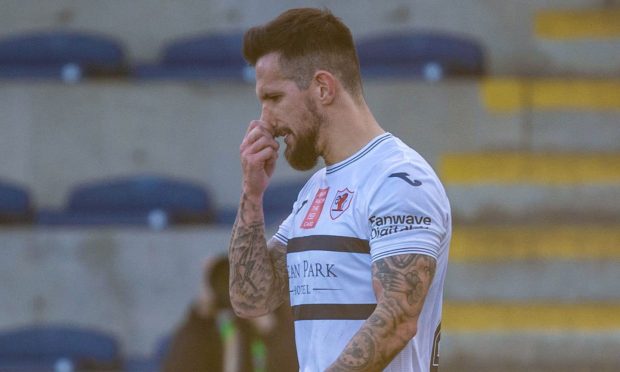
point(260, 124)
point(255, 135)
point(253, 124)
point(260, 144)
point(265, 156)
point(272, 160)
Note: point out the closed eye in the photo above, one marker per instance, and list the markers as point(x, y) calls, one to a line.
point(271, 97)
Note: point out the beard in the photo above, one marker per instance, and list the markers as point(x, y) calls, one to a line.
point(303, 155)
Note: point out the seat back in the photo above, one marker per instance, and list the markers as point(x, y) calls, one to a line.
point(279, 198)
point(218, 49)
point(15, 203)
point(60, 54)
point(181, 200)
point(212, 56)
point(49, 345)
point(427, 55)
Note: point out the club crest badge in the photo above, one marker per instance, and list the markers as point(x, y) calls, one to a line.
point(341, 202)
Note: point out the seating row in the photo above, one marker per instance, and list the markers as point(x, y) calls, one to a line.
point(140, 200)
point(69, 348)
point(71, 56)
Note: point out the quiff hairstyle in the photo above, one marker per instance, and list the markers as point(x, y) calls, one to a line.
point(308, 40)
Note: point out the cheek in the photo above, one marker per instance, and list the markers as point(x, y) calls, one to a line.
point(292, 115)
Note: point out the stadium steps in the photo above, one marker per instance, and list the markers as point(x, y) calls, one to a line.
point(531, 168)
point(578, 41)
point(532, 186)
point(518, 296)
point(509, 95)
point(515, 263)
point(531, 317)
point(577, 23)
point(535, 257)
point(565, 242)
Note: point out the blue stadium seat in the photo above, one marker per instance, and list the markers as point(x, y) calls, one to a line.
point(203, 57)
point(423, 55)
point(226, 215)
point(145, 200)
point(277, 203)
point(15, 204)
point(150, 363)
point(279, 198)
point(45, 348)
point(64, 55)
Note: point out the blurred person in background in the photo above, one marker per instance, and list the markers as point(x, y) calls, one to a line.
point(363, 255)
point(212, 339)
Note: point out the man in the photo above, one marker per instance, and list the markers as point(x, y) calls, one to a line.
point(363, 254)
point(212, 339)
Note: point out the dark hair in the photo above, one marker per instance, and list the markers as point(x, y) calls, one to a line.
point(308, 40)
point(217, 278)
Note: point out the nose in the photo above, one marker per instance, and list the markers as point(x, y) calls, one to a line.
point(266, 115)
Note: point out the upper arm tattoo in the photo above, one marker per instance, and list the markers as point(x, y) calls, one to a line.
point(277, 252)
point(408, 275)
point(401, 283)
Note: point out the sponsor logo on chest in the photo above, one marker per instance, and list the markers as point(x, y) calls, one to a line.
point(314, 212)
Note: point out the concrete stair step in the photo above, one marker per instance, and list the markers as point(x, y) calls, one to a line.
point(566, 263)
point(563, 281)
point(532, 186)
point(557, 351)
point(574, 24)
point(578, 131)
point(530, 168)
point(534, 203)
point(531, 317)
point(506, 95)
point(509, 243)
point(530, 336)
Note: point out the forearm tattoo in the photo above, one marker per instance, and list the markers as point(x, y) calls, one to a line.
point(256, 274)
point(401, 283)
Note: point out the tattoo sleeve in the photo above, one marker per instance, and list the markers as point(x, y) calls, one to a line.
point(258, 276)
point(401, 284)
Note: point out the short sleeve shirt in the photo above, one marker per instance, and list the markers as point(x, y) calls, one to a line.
point(382, 201)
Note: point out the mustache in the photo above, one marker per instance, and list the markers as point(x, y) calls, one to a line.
point(281, 133)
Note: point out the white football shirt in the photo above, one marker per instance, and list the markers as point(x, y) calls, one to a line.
point(384, 200)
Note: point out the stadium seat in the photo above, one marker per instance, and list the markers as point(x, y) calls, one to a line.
point(146, 200)
point(279, 198)
point(153, 362)
point(58, 347)
point(203, 57)
point(277, 203)
point(15, 204)
point(65, 55)
point(423, 55)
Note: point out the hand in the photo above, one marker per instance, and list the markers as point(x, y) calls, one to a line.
point(259, 152)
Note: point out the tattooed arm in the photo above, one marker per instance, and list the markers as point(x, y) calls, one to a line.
point(401, 284)
point(258, 277)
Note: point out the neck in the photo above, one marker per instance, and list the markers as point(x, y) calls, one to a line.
point(350, 127)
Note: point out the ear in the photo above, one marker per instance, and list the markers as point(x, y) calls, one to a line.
point(325, 86)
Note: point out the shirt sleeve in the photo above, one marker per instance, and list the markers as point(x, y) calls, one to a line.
point(406, 216)
point(286, 227)
point(283, 233)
